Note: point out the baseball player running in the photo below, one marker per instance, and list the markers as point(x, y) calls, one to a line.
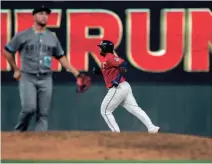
point(37, 45)
point(113, 69)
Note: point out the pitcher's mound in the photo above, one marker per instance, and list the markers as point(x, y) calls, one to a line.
point(104, 146)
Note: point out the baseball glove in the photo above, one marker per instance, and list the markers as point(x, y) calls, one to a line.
point(83, 83)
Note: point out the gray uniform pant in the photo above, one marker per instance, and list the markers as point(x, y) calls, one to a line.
point(35, 94)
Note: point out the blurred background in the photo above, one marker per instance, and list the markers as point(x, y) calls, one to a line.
point(177, 100)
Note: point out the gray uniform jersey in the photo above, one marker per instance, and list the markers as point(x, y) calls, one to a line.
point(36, 50)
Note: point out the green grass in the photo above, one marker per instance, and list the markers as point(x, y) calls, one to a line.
point(106, 161)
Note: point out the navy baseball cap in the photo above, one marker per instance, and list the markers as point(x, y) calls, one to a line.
point(40, 9)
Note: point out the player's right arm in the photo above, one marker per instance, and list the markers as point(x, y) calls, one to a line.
point(10, 58)
point(9, 51)
point(96, 71)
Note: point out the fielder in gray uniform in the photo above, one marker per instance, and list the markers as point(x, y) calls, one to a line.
point(37, 46)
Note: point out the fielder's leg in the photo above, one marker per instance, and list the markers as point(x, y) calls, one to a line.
point(28, 95)
point(111, 101)
point(44, 102)
point(131, 106)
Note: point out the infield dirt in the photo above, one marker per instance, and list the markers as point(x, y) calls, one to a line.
point(76, 145)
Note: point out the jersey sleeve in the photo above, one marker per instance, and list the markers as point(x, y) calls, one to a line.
point(14, 44)
point(114, 61)
point(59, 52)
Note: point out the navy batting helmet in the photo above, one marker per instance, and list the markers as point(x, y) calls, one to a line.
point(106, 46)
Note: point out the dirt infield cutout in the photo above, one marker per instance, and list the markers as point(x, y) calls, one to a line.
point(76, 145)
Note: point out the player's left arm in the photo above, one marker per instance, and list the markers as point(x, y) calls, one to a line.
point(121, 64)
point(83, 81)
point(65, 63)
point(123, 67)
point(60, 56)
point(114, 61)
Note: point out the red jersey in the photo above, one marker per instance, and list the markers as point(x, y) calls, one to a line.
point(110, 68)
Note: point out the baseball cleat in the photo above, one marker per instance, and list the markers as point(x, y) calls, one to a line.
point(154, 130)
